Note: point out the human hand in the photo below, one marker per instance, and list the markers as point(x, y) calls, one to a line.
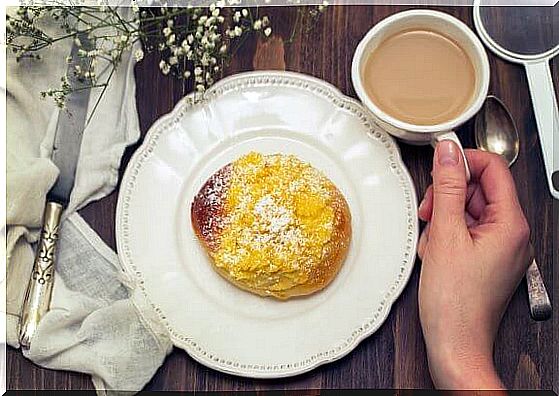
point(474, 250)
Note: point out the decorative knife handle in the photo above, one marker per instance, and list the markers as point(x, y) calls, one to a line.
point(540, 305)
point(39, 290)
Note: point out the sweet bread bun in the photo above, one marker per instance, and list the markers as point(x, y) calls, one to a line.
point(273, 225)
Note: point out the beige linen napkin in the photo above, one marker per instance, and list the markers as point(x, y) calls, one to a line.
point(97, 324)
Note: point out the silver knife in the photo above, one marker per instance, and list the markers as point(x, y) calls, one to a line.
point(66, 149)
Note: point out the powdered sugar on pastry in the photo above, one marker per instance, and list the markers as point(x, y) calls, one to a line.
point(277, 221)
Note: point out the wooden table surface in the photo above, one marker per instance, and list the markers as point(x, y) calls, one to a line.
point(526, 352)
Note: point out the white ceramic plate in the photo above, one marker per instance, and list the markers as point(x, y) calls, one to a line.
point(218, 324)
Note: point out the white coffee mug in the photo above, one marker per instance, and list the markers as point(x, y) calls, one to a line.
point(449, 27)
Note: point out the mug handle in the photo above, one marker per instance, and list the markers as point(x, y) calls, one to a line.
point(451, 135)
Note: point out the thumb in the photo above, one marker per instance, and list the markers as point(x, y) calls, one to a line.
point(449, 189)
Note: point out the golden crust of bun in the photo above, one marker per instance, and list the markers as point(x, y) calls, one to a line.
point(273, 225)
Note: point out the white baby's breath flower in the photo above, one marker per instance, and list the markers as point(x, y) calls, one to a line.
point(170, 23)
point(165, 69)
point(173, 60)
point(135, 7)
point(186, 74)
point(257, 24)
point(197, 71)
point(244, 12)
point(167, 31)
point(265, 21)
point(138, 55)
point(171, 39)
point(190, 39)
point(223, 48)
point(267, 31)
point(65, 82)
point(200, 88)
point(237, 16)
point(238, 31)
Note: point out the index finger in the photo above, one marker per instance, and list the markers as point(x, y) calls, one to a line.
point(494, 177)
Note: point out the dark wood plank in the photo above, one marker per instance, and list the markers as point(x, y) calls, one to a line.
point(526, 352)
point(555, 265)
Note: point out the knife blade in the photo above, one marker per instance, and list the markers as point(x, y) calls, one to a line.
point(65, 153)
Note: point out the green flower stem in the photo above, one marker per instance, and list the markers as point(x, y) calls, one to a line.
point(295, 27)
point(90, 86)
point(115, 12)
point(105, 85)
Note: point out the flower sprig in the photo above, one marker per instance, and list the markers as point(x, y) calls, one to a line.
point(193, 43)
point(198, 45)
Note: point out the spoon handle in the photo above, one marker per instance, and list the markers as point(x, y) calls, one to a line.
point(540, 305)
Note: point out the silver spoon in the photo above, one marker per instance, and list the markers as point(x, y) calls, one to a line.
point(496, 132)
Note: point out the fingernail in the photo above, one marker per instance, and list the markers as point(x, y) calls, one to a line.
point(447, 153)
point(421, 204)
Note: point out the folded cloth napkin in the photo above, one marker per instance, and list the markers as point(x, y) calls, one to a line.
point(98, 324)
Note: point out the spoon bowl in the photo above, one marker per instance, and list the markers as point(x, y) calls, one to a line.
point(495, 130)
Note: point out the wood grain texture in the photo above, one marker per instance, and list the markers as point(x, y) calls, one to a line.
point(526, 352)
